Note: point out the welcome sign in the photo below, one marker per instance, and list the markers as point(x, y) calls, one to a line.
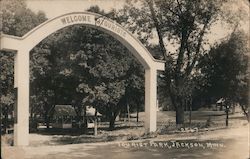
point(97, 20)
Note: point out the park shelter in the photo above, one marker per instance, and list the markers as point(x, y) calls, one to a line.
point(63, 116)
point(23, 45)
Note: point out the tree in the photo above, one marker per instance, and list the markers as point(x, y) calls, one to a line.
point(7, 94)
point(16, 19)
point(224, 70)
point(182, 24)
point(84, 66)
point(109, 66)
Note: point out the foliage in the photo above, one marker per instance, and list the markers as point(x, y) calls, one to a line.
point(84, 67)
point(224, 71)
point(185, 26)
point(6, 77)
point(16, 19)
point(76, 65)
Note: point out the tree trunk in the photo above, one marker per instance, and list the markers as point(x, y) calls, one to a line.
point(245, 112)
point(179, 115)
point(233, 108)
point(137, 114)
point(47, 121)
point(79, 119)
point(179, 109)
point(190, 112)
point(85, 122)
point(46, 118)
point(113, 112)
point(112, 122)
point(128, 114)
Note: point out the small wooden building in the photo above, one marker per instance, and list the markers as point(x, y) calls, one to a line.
point(63, 116)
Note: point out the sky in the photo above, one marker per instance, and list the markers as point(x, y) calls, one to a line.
point(54, 8)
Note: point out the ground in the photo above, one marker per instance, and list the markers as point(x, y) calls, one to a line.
point(216, 143)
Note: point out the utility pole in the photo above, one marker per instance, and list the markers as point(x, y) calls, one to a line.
point(227, 111)
point(95, 123)
point(190, 111)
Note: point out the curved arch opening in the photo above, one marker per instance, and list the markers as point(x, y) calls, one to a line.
point(80, 59)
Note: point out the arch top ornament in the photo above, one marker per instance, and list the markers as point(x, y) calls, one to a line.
point(97, 21)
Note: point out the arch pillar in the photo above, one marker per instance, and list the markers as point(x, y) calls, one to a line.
point(150, 99)
point(21, 82)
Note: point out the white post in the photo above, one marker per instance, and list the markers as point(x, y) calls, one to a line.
point(150, 99)
point(21, 127)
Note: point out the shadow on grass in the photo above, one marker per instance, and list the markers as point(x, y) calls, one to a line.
point(75, 136)
point(77, 131)
point(58, 131)
point(119, 127)
point(85, 139)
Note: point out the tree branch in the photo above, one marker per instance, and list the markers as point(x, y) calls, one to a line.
point(180, 57)
point(158, 28)
point(173, 12)
point(179, 6)
point(191, 66)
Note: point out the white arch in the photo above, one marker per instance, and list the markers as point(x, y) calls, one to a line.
point(36, 35)
point(24, 44)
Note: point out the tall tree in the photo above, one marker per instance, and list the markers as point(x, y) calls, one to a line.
point(182, 24)
point(224, 70)
point(16, 19)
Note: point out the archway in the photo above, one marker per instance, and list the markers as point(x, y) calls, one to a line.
point(23, 45)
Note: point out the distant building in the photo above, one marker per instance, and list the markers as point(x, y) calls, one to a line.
point(65, 115)
point(220, 103)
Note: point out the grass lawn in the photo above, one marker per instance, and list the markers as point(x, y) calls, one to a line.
point(64, 144)
point(133, 131)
